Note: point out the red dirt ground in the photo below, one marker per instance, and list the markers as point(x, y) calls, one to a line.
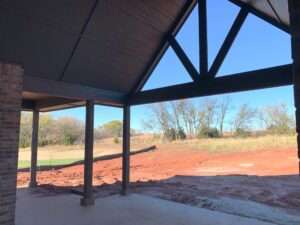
point(268, 177)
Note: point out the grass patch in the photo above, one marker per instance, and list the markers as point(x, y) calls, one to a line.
point(231, 145)
point(47, 162)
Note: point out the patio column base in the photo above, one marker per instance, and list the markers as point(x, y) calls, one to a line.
point(33, 185)
point(87, 201)
point(125, 192)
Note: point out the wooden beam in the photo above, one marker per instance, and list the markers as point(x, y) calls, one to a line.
point(203, 52)
point(51, 104)
point(126, 152)
point(28, 105)
point(258, 79)
point(88, 156)
point(70, 91)
point(34, 148)
point(262, 15)
point(181, 18)
point(233, 32)
point(188, 65)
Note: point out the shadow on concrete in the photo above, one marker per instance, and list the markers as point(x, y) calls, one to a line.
point(280, 191)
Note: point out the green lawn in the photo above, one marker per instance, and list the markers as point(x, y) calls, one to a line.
point(26, 163)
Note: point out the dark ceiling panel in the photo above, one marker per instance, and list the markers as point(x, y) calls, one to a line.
point(70, 14)
point(42, 49)
point(166, 7)
point(141, 12)
point(114, 14)
point(122, 37)
point(281, 9)
point(277, 9)
point(41, 33)
point(102, 67)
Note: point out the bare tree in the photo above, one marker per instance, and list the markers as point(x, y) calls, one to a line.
point(224, 107)
point(161, 116)
point(244, 117)
point(192, 120)
point(183, 110)
point(149, 125)
point(175, 117)
point(209, 107)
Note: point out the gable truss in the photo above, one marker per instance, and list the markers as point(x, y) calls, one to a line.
point(206, 83)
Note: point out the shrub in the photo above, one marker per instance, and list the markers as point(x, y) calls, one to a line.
point(181, 134)
point(280, 129)
point(206, 132)
point(170, 134)
point(116, 140)
point(242, 133)
point(68, 139)
point(24, 143)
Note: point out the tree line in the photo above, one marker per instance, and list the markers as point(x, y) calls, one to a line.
point(65, 130)
point(183, 119)
point(207, 118)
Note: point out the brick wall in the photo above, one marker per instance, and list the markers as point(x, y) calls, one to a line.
point(10, 105)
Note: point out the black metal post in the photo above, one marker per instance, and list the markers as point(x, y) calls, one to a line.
point(34, 148)
point(294, 10)
point(126, 152)
point(88, 156)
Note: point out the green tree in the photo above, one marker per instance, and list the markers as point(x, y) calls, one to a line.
point(47, 134)
point(113, 128)
point(69, 130)
point(277, 119)
point(25, 130)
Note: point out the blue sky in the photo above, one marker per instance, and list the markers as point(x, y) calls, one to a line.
point(258, 45)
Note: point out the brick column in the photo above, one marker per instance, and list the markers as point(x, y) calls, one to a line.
point(10, 106)
point(294, 10)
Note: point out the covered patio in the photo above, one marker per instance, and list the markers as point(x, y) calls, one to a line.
point(35, 208)
point(61, 54)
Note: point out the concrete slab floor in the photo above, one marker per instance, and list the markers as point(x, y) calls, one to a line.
point(38, 209)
